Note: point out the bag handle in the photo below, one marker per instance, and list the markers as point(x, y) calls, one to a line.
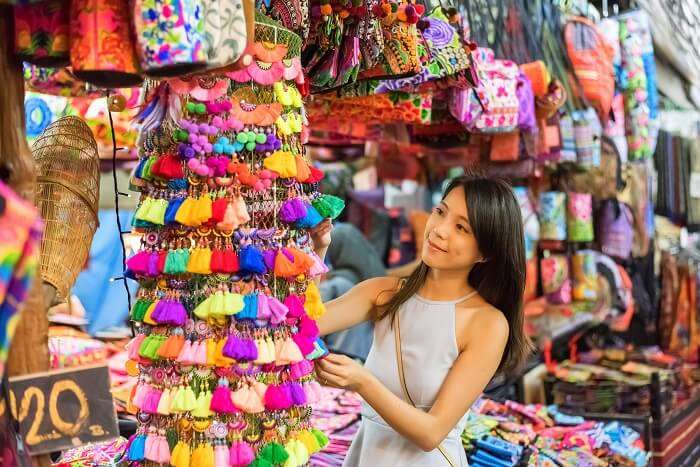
point(402, 378)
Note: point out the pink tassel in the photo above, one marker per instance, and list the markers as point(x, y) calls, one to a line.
point(134, 346)
point(314, 392)
point(295, 306)
point(241, 454)
point(221, 402)
point(150, 451)
point(297, 394)
point(300, 369)
point(305, 344)
point(150, 404)
point(276, 398)
point(163, 450)
point(263, 307)
point(221, 456)
point(186, 356)
point(142, 391)
point(200, 353)
point(278, 311)
point(138, 263)
point(319, 268)
point(308, 327)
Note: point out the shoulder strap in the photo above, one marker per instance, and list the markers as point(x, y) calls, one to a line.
point(402, 378)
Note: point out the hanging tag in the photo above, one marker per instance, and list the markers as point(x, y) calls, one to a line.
point(695, 184)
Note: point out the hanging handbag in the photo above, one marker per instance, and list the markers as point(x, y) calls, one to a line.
point(402, 379)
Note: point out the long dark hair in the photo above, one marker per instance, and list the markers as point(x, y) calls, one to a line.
point(495, 219)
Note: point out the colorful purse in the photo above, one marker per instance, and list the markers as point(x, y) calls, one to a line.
point(587, 134)
point(102, 50)
point(553, 215)
point(225, 33)
point(585, 275)
point(556, 281)
point(41, 33)
point(496, 95)
point(441, 52)
point(293, 14)
point(399, 56)
point(171, 45)
point(579, 207)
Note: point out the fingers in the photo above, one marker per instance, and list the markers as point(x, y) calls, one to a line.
point(336, 358)
point(329, 379)
point(331, 367)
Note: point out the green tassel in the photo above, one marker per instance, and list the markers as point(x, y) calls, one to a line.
point(171, 263)
point(184, 259)
point(172, 437)
point(140, 224)
point(259, 462)
point(274, 452)
point(156, 213)
point(144, 349)
point(329, 206)
point(138, 311)
point(146, 173)
point(321, 437)
point(143, 209)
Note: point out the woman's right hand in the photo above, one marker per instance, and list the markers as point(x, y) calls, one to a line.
point(321, 235)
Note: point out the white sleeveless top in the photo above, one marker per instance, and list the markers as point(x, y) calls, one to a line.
point(429, 347)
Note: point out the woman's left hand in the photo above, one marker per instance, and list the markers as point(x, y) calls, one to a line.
point(342, 372)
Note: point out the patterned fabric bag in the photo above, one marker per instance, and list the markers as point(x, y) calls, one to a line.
point(493, 106)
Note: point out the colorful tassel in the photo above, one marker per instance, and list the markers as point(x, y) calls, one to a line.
point(273, 452)
point(250, 308)
point(311, 219)
point(170, 212)
point(202, 409)
point(287, 351)
point(221, 402)
point(329, 206)
point(251, 260)
point(164, 403)
point(137, 450)
point(241, 454)
point(180, 456)
point(248, 400)
point(300, 369)
point(292, 210)
point(203, 456)
point(200, 261)
point(221, 456)
point(314, 304)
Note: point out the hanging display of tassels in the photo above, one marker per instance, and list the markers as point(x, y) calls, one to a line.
point(225, 334)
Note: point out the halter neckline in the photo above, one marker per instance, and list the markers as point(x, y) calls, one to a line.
point(445, 302)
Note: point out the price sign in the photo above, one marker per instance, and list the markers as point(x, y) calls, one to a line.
point(62, 409)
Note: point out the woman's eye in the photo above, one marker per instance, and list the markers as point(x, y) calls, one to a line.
point(462, 228)
point(437, 211)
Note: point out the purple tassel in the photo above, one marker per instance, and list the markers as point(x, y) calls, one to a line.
point(178, 315)
point(269, 258)
point(300, 369)
point(297, 394)
point(160, 311)
point(152, 264)
point(292, 210)
point(251, 349)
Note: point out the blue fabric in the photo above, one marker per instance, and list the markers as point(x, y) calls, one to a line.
point(104, 301)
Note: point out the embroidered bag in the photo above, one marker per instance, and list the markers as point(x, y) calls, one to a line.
point(499, 107)
point(225, 33)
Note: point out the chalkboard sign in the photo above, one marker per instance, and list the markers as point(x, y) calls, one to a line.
point(64, 408)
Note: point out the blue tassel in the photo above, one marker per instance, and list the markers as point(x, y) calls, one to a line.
point(320, 350)
point(137, 450)
point(311, 219)
point(173, 205)
point(138, 173)
point(251, 260)
point(250, 308)
point(178, 184)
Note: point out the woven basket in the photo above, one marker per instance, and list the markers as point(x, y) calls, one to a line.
point(67, 194)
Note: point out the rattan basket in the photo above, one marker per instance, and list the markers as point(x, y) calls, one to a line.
point(68, 178)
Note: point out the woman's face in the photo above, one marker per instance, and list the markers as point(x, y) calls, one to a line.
point(449, 241)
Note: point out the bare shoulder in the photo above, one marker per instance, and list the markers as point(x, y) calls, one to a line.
point(381, 289)
point(477, 324)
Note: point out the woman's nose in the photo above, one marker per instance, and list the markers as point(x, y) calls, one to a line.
point(440, 230)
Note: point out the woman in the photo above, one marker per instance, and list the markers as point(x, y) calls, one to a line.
point(460, 321)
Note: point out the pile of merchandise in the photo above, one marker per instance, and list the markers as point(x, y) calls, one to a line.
point(511, 434)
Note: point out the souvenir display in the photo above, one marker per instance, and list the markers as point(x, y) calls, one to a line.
point(226, 337)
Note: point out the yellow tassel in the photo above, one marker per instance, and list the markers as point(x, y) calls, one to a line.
point(203, 209)
point(309, 440)
point(211, 352)
point(203, 456)
point(184, 212)
point(164, 402)
point(180, 457)
point(314, 305)
point(147, 317)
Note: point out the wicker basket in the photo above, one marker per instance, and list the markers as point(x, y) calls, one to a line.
point(67, 194)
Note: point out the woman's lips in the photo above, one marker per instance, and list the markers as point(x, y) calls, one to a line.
point(435, 247)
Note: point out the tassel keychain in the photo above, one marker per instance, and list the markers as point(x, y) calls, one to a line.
point(292, 210)
point(185, 213)
point(186, 356)
point(287, 351)
point(211, 351)
point(300, 369)
point(329, 206)
point(202, 210)
point(200, 260)
point(221, 456)
point(161, 448)
point(230, 221)
point(230, 260)
point(180, 457)
point(150, 449)
point(202, 409)
point(311, 219)
point(303, 170)
point(251, 260)
point(162, 257)
point(284, 266)
point(139, 396)
point(295, 306)
point(134, 346)
point(190, 401)
point(137, 449)
point(142, 210)
point(138, 311)
point(203, 310)
point(248, 400)
point(278, 311)
point(148, 316)
point(241, 454)
point(218, 210)
point(314, 392)
point(263, 314)
point(297, 393)
point(165, 402)
point(138, 264)
point(274, 453)
point(241, 210)
point(250, 308)
point(217, 259)
point(170, 212)
point(203, 455)
point(282, 163)
point(221, 402)
point(314, 304)
point(222, 361)
point(319, 268)
point(200, 354)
